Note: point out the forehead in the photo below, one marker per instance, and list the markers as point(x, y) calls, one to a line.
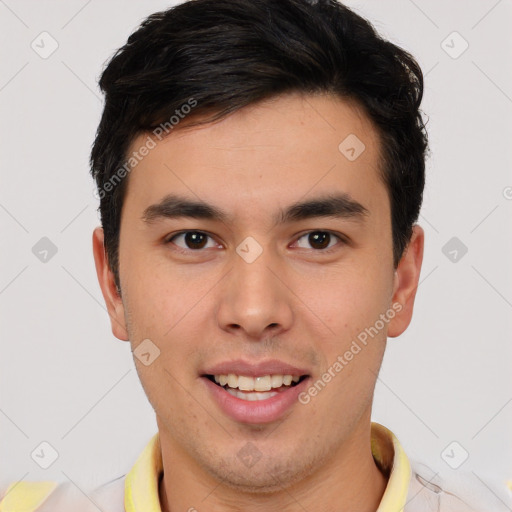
point(268, 154)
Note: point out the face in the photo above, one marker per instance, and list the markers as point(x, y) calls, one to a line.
point(253, 250)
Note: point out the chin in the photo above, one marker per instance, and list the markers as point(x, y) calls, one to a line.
point(264, 477)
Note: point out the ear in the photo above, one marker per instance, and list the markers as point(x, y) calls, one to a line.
point(407, 277)
point(108, 287)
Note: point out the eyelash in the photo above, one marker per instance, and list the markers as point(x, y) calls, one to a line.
point(324, 251)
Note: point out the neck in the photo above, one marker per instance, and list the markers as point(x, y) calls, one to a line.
point(348, 481)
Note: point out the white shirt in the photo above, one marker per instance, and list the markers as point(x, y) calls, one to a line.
point(411, 487)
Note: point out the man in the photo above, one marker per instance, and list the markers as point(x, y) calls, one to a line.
point(260, 169)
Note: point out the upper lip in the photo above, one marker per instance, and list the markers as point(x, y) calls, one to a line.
point(241, 367)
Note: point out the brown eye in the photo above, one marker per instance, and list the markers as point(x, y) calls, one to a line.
point(193, 240)
point(318, 240)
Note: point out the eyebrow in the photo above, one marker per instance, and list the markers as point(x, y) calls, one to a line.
point(340, 206)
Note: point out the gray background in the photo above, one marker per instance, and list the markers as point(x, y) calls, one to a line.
point(65, 380)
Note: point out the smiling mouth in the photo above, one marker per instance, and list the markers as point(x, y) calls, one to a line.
point(255, 388)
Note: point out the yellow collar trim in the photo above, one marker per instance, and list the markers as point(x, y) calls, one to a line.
point(393, 461)
point(141, 483)
point(27, 496)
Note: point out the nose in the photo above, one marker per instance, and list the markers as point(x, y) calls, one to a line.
point(255, 299)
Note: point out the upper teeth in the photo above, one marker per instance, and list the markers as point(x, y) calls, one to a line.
point(264, 383)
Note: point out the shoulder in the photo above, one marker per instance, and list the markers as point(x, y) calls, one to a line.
point(455, 492)
point(110, 496)
point(62, 497)
point(45, 497)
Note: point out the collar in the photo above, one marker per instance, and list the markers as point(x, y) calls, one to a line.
point(141, 483)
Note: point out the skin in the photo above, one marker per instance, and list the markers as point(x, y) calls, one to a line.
point(294, 303)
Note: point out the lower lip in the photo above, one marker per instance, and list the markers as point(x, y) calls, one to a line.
point(260, 411)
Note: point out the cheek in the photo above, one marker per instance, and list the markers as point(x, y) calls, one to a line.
point(157, 297)
point(349, 299)
point(172, 310)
